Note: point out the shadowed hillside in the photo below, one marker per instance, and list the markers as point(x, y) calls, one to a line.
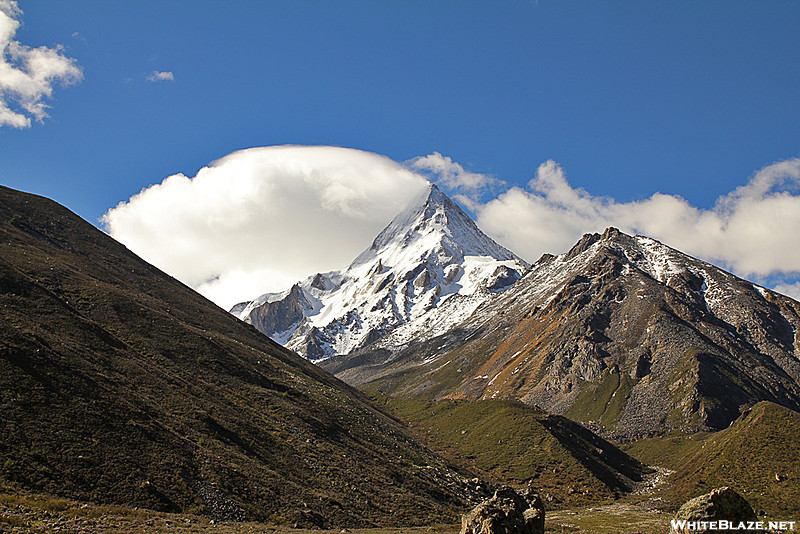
point(119, 384)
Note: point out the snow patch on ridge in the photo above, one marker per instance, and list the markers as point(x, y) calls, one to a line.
point(658, 261)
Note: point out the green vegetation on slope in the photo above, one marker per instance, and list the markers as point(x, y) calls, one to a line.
point(757, 456)
point(602, 402)
point(669, 451)
point(515, 444)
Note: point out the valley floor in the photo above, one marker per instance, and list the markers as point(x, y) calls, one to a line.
point(617, 518)
point(40, 514)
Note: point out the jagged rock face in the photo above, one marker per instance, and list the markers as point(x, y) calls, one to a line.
point(279, 315)
point(430, 254)
point(621, 332)
point(506, 512)
point(720, 504)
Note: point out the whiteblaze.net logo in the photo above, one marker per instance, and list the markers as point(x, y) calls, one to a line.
point(683, 525)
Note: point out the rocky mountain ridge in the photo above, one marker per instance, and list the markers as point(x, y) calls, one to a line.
point(622, 332)
point(120, 385)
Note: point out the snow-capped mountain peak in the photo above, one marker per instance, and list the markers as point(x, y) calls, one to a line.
point(432, 216)
point(429, 253)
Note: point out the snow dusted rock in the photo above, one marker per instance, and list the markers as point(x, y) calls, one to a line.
point(429, 255)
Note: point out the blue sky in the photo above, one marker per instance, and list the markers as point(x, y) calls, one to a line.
point(688, 99)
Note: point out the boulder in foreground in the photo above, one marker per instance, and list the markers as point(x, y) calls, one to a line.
point(506, 512)
point(703, 514)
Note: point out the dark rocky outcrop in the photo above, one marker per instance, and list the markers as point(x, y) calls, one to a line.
point(281, 315)
point(506, 512)
point(501, 278)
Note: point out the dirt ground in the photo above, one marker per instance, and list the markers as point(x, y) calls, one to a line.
point(36, 514)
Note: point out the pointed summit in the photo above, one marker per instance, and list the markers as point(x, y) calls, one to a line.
point(433, 217)
point(431, 253)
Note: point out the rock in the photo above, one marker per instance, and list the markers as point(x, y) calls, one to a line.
point(535, 513)
point(506, 512)
point(721, 504)
point(502, 277)
point(306, 517)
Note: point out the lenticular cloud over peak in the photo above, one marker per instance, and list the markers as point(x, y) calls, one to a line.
point(260, 219)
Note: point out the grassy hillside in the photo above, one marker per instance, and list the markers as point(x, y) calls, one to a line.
point(515, 444)
point(757, 455)
point(118, 384)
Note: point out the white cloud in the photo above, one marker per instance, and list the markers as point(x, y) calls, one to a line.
point(261, 219)
point(791, 290)
point(754, 230)
point(27, 75)
point(467, 187)
point(160, 76)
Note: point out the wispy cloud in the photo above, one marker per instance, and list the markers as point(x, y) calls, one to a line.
point(467, 187)
point(28, 75)
point(259, 220)
point(79, 37)
point(160, 76)
point(792, 290)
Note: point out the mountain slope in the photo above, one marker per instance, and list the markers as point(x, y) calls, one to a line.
point(519, 445)
point(756, 455)
point(621, 332)
point(431, 257)
point(118, 384)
